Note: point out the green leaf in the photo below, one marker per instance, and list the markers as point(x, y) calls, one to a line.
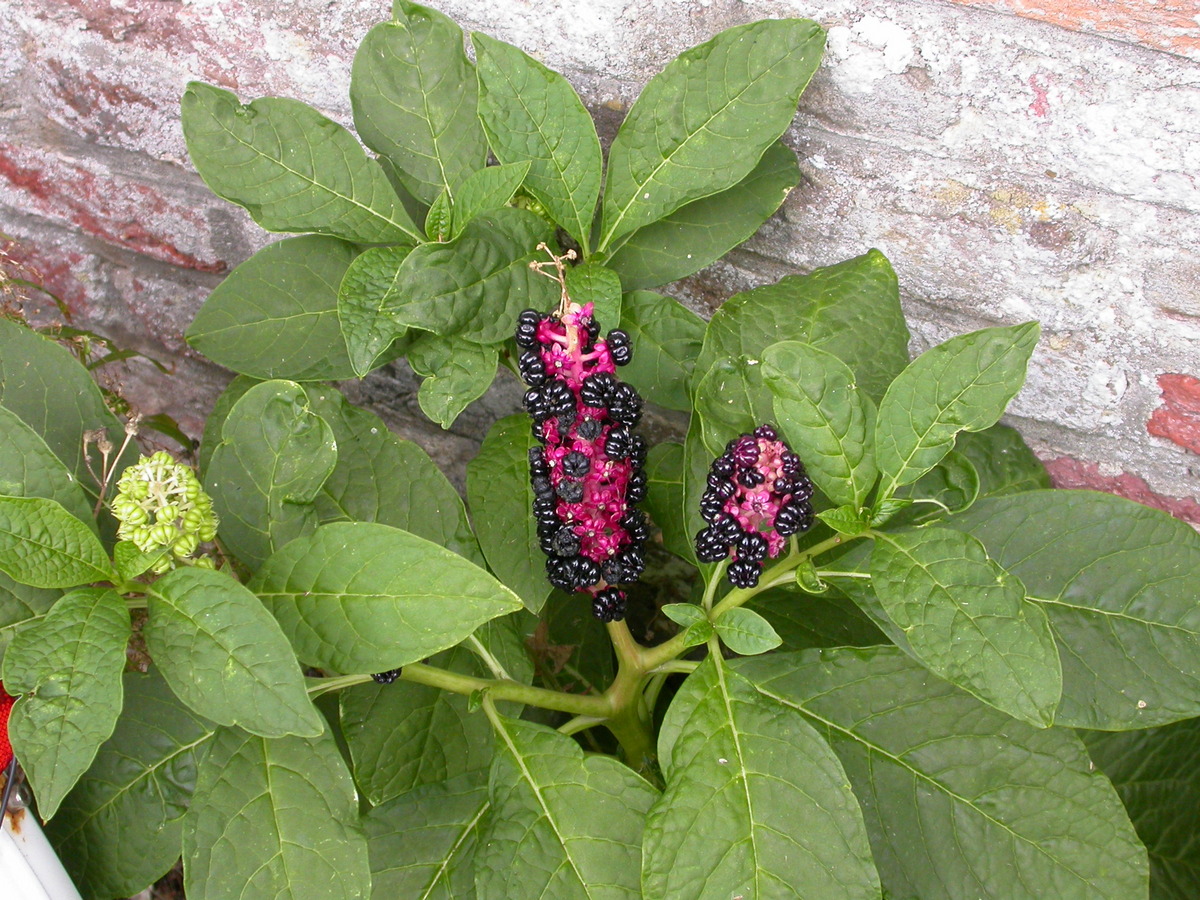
point(139, 787)
point(43, 545)
point(746, 632)
point(696, 460)
point(731, 399)
point(274, 818)
point(593, 283)
point(561, 824)
point(501, 503)
point(423, 843)
point(571, 653)
point(953, 483)
point(413, 93)
point(666, 338)
point(224, 656)
point(1119, 582)
point(703, 231)
point(961, 385)
point(404, 735)
point(967, 620)
point(485, 190)
point(457, 373)
point(701, 125)
point(684, 614)
point(276, 315)
point(382, 478)
point(28, 468)
point(960, 800)
point(824, 418)
point(475, 285)
point(1003, 461)
point(290, 167)
point(531, 113)
point(751, 779)
point(1154, 772)
point(130, 562)
point(274, 456)
point(851, 310)
point(43, 384)
point(68, 665)
point(367, 286)
point(362, 597)
point(803, 620)
point(439, 220)
point(233, 392)
point(19, 603)
point(846, 520)
point(664, 497)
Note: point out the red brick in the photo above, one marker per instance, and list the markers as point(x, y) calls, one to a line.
point(1166, 25)
point(1066, 472)
point(1178, 419)
point(127, 213)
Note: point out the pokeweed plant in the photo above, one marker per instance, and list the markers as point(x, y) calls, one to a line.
point(888, 662)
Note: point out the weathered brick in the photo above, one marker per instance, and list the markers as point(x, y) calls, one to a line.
point(1172, 25)
point(1178, 419)
point(1067, 472)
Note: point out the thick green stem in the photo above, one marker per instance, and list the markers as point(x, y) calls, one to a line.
point(498, 689)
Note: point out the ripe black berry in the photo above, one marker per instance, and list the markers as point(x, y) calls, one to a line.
point(636, 492)
point(569, 490)
point(745, 451)
point(619, 347)
point(565, 542)
point(532, 369)
point(751, 477)
point(576, 464)
point(609, 605)
point(386, 677)
point(542, 488)
point(744, 574)
point(625, 404)
point(766, 432)
point(595, 389)
point(619, 443)
point(711, 546)
point(723, 467)
point(793, 517)
point(712, 505)
point(752, 546)
point(589, 429)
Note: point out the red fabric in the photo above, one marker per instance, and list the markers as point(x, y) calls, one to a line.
point(6, 703)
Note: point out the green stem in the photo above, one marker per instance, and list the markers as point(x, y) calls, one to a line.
point(319, 686)
point(579, 723)
point(494, 665)
point(500, 689)
point(675, 666)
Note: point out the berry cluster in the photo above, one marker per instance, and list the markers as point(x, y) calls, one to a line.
point(757, 497)
point(161, 507)
point(589, 473)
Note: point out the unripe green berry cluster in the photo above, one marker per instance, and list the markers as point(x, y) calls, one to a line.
point(161, 507)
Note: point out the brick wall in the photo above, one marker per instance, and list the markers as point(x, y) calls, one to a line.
point(1014, 159)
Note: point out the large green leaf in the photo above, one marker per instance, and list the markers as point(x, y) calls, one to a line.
point(532, 113)
point(382, 478)
point(961, 385)
point(53, 394)
point(274, 818)
point(1121, 585)
point(960, 800)
point(224, 656)
point(363, 597)
point(405, 735)
point(290, 167)
point(1003, 461)
point(276, 315)
point(413, 93)
point(1155, 773)
point(664, 497)
point(457, 373)
point(573, 655)
point(18, 604)
point(274, 456)
point(487, 189)
point(703, 231)
point(422, 844)
point(561, 824)
point(28, 468)
point(701, 125)
point(473, 286)
point(43, 545)
point(591, 282)
point(851, 310)
point(824, 418)
point(750, 779)
point(216, 419)
point(501, 502)
point(139, 787)
point(68, 665)
point(967, 620)
point(731, 399)
point(367, 328)
point(666, 338)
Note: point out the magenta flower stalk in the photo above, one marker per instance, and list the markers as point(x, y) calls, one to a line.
point(757, 497)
